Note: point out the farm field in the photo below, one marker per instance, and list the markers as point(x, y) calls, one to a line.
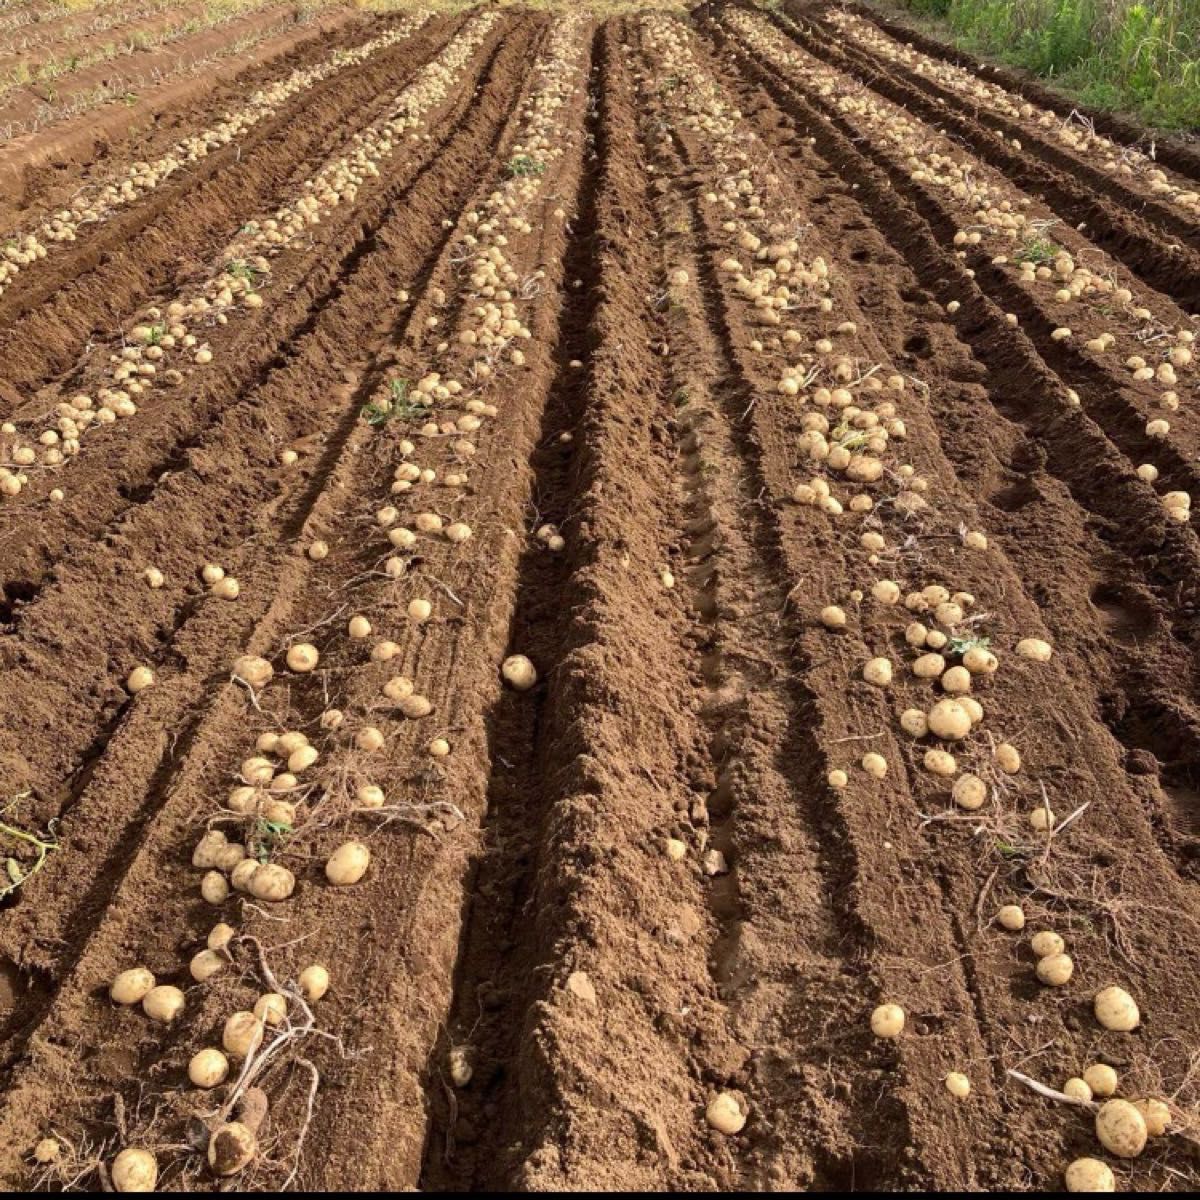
point(590, 599)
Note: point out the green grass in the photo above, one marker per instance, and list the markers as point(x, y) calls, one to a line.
point(1139, 57)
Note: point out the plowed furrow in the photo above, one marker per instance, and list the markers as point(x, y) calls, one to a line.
point(1153, 240)
point(161, 437)
point(1122, 408)
point(87, 290)
point(964, 883)
point(434, 656)
point(599, 1082)
point(129, 771)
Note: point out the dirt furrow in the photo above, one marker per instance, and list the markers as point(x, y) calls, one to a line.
point(116, 795)
point(959, 867)
point(464, 649)
point(1155, 243)
point(1152, 238)
point(1122, 406)
point(88, 290)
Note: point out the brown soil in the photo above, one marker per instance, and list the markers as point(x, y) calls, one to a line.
point(34, 106)
point(521, 906)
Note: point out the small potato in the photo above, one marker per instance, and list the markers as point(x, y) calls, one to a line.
point(1115, 1009)
point(206, 964)
point(1156, 1114)
point(726, 1113)
point(958, 1085)
point(272, 883)
point(1077, 1089)
point(314, 982)
point(347, 864)
point(969, 792)
point(134, 1171)
point(938, 762)
point(208, 1068)
point(1089, 1175)
point(271, 1008)
point(131, 987)
point(1055, 970)
point(833, 617)
point(242, 1034)
point(914, 722)
point(878, 671)
point(1046, 942)
point(303, 657)
point(518, 672)
point(1007, 758)
point(255, 671)
point(214, 889)
point(887, 1021)
point(875, 765)
point(949, 720)
point(163, 1003)
point(1034, 649)
point(231, 1148)
point(1011, 917)
point(1121, 1128)
point(1102, 1079)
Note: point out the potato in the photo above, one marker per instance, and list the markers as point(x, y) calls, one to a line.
point(726, 1113)
point(949, 720)
point(1089, 1175)
point(1034, 649)
point(243, 873)
point(271, 1008)
point(1121, 1128)
point(231, 1148)
point(140, 678)
point(939, 762)
point(347, 864)
point(271, 882)
point(1101, 1078)
point(1007, 758)
point(214, 888)
point(1156, 1114)
point(242, 1034)
point(461, 1068)
point(1077, 1089)
point(833, 617)
point(131, 987)
point(874, 764)
point(887, 1021)
point(518, 672)
point(206, 964)
point(163, 1003)
point(208, 1068)
point(1046, 942)
point(134, 1171)
point(314, 982)
point(303, 657)
point(1011, 917)
point(878, 671)
point(1055, 970)
point(1115, 1009)
point(255, 671)
point(204, 857)
point(969, 792)
point(958, 1085)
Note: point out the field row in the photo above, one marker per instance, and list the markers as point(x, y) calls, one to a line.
point(614, 610)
